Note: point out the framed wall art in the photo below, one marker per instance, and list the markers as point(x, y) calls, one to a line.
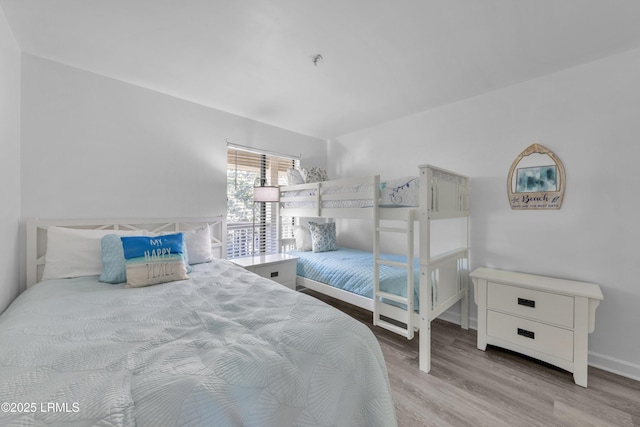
point(536, 180)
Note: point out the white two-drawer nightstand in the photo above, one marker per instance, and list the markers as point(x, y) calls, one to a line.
point(280, 268)
point(543, 317)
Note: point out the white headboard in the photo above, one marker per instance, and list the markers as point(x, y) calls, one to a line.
point(37, 234)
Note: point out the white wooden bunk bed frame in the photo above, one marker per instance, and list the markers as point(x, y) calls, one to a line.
point(443, 195)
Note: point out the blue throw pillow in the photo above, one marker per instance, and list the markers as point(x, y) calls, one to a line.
point(113, 267)
point(151, 260)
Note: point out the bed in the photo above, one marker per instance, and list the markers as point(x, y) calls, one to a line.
point(442, 196)
point(222, 347)
point(351, 270)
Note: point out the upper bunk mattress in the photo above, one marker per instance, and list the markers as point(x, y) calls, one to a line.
point(401, 192)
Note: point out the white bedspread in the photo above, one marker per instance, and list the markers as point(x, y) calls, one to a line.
point(224, 348)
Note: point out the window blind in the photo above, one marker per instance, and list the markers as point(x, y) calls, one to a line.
point(254, 228)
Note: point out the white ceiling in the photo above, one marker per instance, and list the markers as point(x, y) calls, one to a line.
point(383, 59)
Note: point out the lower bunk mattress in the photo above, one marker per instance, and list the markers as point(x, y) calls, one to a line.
point(352, 270)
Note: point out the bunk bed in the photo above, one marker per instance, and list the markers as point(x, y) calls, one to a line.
point(443, 269)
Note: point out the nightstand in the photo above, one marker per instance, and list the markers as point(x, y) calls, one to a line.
point(280, 268)
point(543, 317)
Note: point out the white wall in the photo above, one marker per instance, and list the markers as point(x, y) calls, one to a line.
point(589, 116)
point(95, 147)
point(9, 164)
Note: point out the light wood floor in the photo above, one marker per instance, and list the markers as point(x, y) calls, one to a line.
point(469, 387)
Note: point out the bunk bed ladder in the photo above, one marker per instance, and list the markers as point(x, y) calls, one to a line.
point(382, 298)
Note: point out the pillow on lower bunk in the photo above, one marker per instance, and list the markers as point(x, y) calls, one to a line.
point(154, 259)
point(302, 235)
point(323, 236)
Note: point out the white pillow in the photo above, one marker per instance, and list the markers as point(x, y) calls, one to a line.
point(199, 245)
point(294, 177)
point(75, 252)
point(302, 235)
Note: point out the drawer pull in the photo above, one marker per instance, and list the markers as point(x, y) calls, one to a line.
point(527, 302)
point(526, 334)
point(274, 274)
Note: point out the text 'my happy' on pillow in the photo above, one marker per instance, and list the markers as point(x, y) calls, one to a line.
point(323, 236)
point(114, 269)
point(154, 259)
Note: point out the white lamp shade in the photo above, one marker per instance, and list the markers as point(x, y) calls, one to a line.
point(266, 194)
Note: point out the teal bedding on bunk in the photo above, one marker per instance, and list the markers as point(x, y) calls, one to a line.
point(352, 270)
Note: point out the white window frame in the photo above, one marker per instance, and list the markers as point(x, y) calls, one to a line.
point(255, 229)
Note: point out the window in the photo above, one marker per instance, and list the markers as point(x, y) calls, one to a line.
point(253, 228)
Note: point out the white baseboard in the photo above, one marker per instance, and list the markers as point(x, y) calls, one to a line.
point(597, 360)
point(614, 365)
point(455, 318)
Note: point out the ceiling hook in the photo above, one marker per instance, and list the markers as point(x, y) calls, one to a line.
point(316, 59)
